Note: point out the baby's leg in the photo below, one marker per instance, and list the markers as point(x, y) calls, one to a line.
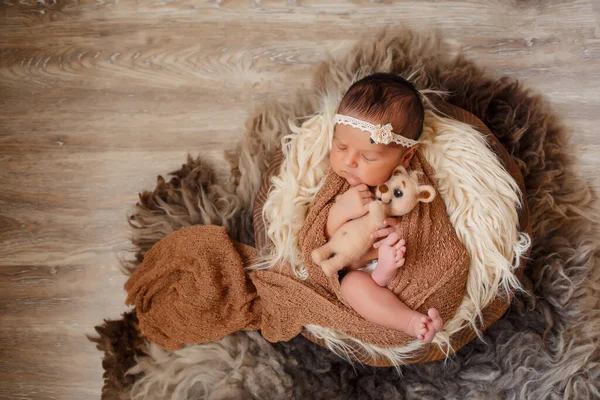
point(390, 258)
point(379, 305)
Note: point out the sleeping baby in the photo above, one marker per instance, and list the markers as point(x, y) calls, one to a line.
point(378, 123)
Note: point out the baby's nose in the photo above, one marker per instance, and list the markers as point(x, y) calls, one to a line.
point(350, 161)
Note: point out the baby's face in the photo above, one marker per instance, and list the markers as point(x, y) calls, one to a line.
point(356, 159)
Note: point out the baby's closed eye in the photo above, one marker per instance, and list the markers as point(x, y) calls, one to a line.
point(370, 156)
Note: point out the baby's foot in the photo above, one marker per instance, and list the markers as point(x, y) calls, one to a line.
point(425, 327)
point(390, 258)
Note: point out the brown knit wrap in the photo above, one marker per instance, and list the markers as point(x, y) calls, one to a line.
point(192, 287)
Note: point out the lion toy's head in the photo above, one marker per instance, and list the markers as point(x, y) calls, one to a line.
point(402, 192)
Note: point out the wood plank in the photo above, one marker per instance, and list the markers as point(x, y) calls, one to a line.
point(99, 97)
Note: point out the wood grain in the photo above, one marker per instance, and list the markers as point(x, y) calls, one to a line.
point(97, 97)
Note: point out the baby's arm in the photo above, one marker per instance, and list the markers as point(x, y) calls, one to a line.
point(335, 219)
point(348, 206)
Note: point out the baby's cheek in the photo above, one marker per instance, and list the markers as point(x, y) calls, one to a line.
point(376, 177)
point(333, 162)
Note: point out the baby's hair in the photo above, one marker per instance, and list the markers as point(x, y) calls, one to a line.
point(383, 98)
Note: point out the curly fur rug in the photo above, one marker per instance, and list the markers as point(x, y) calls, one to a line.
point(547, 346)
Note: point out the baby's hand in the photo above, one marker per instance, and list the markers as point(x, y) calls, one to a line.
point(391, 225)
point(352, 204)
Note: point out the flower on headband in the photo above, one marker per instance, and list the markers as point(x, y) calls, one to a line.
point(382, 134)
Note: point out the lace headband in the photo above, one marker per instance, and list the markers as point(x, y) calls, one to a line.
point(379, 134)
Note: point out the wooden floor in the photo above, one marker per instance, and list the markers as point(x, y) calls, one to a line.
point(98, 97)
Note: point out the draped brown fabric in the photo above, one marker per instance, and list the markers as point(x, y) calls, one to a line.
point(192, 286)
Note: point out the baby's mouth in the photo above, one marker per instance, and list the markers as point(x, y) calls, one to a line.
point(351, 175)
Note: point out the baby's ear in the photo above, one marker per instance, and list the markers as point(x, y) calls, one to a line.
point(408, 155)
point(426, 193)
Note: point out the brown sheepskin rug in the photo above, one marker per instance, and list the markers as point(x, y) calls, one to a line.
point(546, 346)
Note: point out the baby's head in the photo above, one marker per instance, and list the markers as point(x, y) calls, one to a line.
point(377, 99)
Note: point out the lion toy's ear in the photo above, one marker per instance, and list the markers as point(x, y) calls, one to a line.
point(400, 170)
point(426, 193)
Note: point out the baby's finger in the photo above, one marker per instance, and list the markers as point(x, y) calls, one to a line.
point(381, 233)
point(399, 245)
point(389, 240)
point(401, 249)
point(366, 195)
point(391, 221)
point(378, 243)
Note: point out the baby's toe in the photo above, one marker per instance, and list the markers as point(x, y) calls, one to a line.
point(433, 314)
point(435, 318)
